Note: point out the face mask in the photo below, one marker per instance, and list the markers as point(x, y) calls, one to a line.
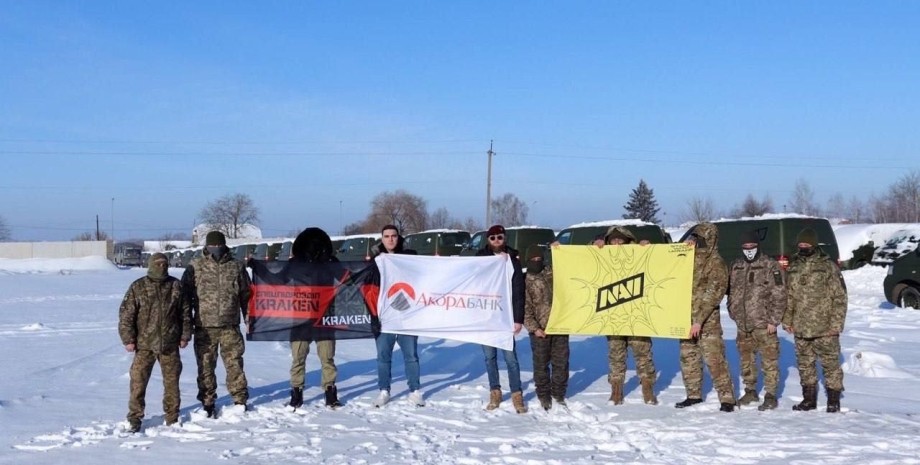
point(157, 271)
point(534, 266)
point(806, 251)
point(749, 254)
point(216, 251)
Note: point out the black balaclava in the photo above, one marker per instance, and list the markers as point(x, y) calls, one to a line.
point(535, 266)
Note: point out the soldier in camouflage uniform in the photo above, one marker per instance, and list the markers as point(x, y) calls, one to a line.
point(816, 312)
point(548, 349)
point(618, 345)
point(710, 282)
point(757, 301)
point(217, 288)
point(154, 322)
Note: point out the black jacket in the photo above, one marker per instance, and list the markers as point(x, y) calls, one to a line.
point(517, 281)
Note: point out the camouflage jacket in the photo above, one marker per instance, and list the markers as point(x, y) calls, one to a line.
point(538, 299)
point(217, 291)
point(710, 281)
point(817, 296)
point(756, 293)
point(154, 315)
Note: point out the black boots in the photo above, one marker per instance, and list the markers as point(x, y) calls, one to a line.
point(688, 402)
point(833, 401)
point(332, 397)
point(296, 397)
point(810, 401)
point(727, 407)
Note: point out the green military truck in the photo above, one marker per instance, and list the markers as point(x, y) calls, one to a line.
point(777, 235)
point(902, 284)
point(586, 233)
point(516, 237)
point(437, 242)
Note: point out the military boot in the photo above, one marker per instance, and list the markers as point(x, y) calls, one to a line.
point(749, 396)
point(495, 399)
point(545, 402)
point(769, 403)
point(809, 401)
point(517, 398)
point(332, 397)
point(688, 402)
point(648, 392)
point(616, 392)
point(833, 401)
point(727, 407)
point(296, 397)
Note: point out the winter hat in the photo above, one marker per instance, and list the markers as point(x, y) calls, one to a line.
point(215, 238)
point(157, 257)
point(313, 245)
point(497, 229)
point(808, 236)
point(534, 251)
point(749, 237)
point(619, 232)
point(155, 270)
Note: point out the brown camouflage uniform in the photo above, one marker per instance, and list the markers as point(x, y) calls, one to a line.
point(552, 349)
point(710, 282)
point(757, 298)
point(154, 317)
point(219, 294)
point(816, 312)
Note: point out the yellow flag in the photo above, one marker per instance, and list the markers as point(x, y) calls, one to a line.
point(624, 290)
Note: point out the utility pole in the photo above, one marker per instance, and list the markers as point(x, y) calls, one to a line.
point(113, 221)
point(489, 187)
point(97, 227)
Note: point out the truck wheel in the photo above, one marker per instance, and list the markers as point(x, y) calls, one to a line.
point(910, 298)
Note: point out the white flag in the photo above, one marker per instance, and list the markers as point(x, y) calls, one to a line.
point(460, 298)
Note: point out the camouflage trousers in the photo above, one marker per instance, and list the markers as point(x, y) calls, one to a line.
point(826, 350)
point(325, 350)
point(642, 355)
point(711, 349)
point(228, 342)
point(141, 368)
point(750, 343)
point(552, 350)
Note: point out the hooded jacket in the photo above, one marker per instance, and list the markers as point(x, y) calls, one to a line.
point(710, 280)
point(217, 291)
point(154, 315)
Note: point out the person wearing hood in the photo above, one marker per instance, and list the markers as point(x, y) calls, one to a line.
point(549, 350)
point(816, 313)
point(618, 346)
point(757, 302)
point(705, 344)
point(496, 246)
point(313, 245)
point(392, 242)
point(217, 288)
point(154, 322)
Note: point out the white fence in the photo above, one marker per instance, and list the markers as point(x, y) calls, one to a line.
point(73, 249)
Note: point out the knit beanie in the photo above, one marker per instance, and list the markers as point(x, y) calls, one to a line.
point(215, 238)
point(748, 237)
point(809, 236)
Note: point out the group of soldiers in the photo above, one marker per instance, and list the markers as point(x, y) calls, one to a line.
point(159, 315)
point(808, 300)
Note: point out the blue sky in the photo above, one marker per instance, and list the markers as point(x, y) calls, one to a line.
point(313, 108)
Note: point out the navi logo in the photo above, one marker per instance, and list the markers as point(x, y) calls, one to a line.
point(404, 296)
point(620, 292)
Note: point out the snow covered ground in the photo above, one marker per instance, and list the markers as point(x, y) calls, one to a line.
point(64, 386)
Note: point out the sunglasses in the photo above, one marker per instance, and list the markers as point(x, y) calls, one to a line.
point(499, 237)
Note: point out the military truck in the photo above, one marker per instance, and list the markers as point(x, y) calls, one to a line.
point(902, 284)
point(438, 242)
point(516, 237)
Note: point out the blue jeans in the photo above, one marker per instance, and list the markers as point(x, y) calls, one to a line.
point(511, 361)
point(409, 347)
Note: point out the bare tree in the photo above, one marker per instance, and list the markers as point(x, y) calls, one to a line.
point(753, 207)
point(904, 198)
point(4, 230)
point(803, 199)
point(509, 210)
point(230, 213)
point(857, 210)
point(836, 206)
point(699, 210)
point(439, 219)
point(407, 211)
point(471, 224)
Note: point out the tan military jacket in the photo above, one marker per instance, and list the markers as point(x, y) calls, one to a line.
point(538, 299)
point(154, 316)
point(817, 296)
point(756, 293)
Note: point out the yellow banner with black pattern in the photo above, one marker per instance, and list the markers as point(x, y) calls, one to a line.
point(623, 290)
